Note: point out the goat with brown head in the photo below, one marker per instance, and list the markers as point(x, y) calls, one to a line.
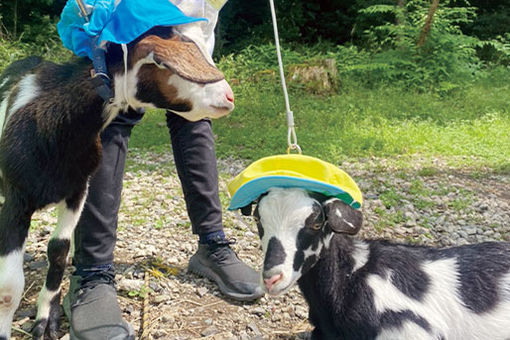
point(167, 70)
point(51, 117)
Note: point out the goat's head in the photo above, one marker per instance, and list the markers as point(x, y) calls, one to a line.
point(294, 228)
point(169, 71)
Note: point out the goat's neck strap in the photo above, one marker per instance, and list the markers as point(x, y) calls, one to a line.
point(102, 84)
point(100, 78)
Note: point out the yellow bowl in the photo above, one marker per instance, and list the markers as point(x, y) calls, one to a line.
point(291, 171)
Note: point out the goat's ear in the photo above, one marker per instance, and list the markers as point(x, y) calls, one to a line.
point(183, 58)
point(247, 210)
point(342, 218)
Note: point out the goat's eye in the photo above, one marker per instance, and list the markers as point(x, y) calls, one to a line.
point(317, 226)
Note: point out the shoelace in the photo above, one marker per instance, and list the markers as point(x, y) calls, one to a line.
point(221, 250)
point(95, 277)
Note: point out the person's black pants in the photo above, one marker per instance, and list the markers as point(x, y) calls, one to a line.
point(195, 159)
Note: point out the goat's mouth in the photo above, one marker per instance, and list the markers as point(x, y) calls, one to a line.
point(277, 290)
point(224, 108)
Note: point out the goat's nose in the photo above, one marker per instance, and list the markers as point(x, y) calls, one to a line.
point(230, 95)
point(272, 281)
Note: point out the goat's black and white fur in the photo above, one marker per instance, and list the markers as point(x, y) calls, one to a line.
point(375, 289)
point(50, 118)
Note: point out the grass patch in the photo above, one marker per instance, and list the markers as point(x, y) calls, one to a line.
point(472, 123)
point(388, 219)
point(390, 198)
point(428, 172)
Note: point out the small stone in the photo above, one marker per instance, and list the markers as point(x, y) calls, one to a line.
point(168, 319)
point(483, 207)
point(159, 333)
point(410, 223)
point(258, 311)
point(208, 322)
point(27, 326)
point(154, 286)
point(30, 313)
point(201, 291)
point(45, 231)
point(420, 230)
point(470, 229)
point(129, 284)
point(301, 312)
point(463, 234)
point(253, 327)
point(129, 309)
point(209, 331)
point(244, 336)
point(38, 265)
point(276, 317)
point(151, 250)
point(462, 242)
point(161, 298)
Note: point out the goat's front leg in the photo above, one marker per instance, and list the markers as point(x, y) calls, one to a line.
point(14, 225)
point(48, 305)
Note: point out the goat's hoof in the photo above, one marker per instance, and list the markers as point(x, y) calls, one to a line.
point(52, 328)
point(39, 328)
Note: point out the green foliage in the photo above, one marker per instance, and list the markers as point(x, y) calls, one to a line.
point(391, 35)
point(495, 51)
point(50, 49)
point(28, 19)
point(244, 23)
point(493, 19)
point(468, 125)
point(448, 97)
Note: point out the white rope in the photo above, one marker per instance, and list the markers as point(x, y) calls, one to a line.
point(291, 135)
point(124, 90)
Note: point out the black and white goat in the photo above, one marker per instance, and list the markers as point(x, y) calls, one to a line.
point(374, 289)
point(52, 116)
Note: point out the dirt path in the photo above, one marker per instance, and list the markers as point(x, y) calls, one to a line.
point(426, 203)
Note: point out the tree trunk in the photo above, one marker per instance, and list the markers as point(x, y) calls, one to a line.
point(428, 23)
point(15, 20)
point(400, 4)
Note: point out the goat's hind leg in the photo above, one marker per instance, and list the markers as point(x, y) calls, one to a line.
point(48, 306)
point(14, 225)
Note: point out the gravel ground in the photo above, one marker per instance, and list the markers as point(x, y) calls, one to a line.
point(414, 199)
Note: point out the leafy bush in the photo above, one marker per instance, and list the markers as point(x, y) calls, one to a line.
point(391, 36)
point(50, 49)
point(495, 51)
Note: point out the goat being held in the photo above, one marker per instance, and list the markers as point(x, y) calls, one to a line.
point(52, 116)
point(374, 289)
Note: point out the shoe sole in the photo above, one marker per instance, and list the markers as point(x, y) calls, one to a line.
point(198, 268)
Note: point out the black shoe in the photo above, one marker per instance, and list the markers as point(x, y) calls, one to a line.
point(93, 310)
point(218, 262)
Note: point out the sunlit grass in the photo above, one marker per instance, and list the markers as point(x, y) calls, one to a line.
point(472, 125)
